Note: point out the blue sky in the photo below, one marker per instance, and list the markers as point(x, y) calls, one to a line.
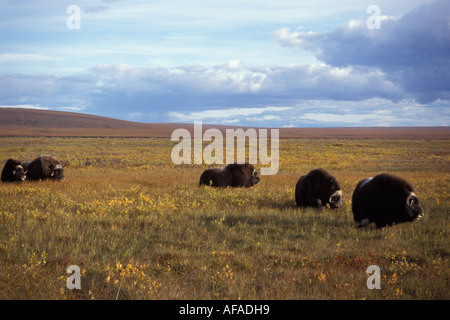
point(259, 63)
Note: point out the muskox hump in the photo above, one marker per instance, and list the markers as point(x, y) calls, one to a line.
point(318, 188)
point(384, 200)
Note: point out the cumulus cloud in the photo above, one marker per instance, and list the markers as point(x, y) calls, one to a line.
point(297, 38)
point(413, 51)
point(220, 78)
point(203, 88)
point(187, 93)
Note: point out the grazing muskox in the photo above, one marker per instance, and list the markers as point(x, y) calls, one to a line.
point(13, 171)
point(385, 200)
point(317, 189)
point(232, 175)
point(44, 167)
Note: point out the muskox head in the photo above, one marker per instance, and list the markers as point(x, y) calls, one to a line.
point(13, 171)
point(254, 179)
point(335, 200)
point(57, 172)
point(413, 208)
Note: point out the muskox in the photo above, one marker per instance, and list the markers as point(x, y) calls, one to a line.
point(44, 167)
point(385, 199)
point(13, 171)
point(317, 189)
point(231, 175)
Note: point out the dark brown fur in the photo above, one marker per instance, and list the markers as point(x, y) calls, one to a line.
point(385, 199)
point(232, 175)
point(44, 167)
point(318, 188)
point(13, 171)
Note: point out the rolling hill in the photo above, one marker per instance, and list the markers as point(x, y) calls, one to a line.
point(31, 122)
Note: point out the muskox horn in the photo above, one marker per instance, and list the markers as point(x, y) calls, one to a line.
point(336, 198)
point(408, 200)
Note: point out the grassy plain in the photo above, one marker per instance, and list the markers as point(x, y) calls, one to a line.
point(140, 227)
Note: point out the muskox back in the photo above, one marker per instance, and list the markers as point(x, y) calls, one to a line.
point(232, 175)
point(317, 189)
point(13, 171)
point(45, 167)
point(385, 199)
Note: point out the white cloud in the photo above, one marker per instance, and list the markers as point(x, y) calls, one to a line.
point(231, 121)
point(347, 119)
point(295, 38)
point(233, 64)
point(385, 111)
point(267, 117)
point(13, 57)
point(25, 106)
point(220, 114)
point(413, 50)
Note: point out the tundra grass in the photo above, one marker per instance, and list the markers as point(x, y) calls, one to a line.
point(140, 227)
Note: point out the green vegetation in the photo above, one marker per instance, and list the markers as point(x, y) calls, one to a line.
point(139, 227)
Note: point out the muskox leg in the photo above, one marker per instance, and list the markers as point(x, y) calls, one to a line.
point(362, 223)
point(316, 203)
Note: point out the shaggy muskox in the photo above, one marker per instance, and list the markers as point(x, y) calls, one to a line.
point(232, 175)
point(13, 171)
point(44, 167)
point(317, 189)
point(385, 200)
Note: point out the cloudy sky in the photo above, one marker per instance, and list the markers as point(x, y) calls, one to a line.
point(242, 62)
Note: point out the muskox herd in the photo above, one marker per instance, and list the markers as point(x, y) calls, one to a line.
point(385, 199)
point(44, 167)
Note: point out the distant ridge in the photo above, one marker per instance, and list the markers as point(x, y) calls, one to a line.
point(32, 122)
point(46, 123)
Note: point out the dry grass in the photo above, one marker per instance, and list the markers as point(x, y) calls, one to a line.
point(139, 227)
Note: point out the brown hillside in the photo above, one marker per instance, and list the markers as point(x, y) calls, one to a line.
point(30, 122)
